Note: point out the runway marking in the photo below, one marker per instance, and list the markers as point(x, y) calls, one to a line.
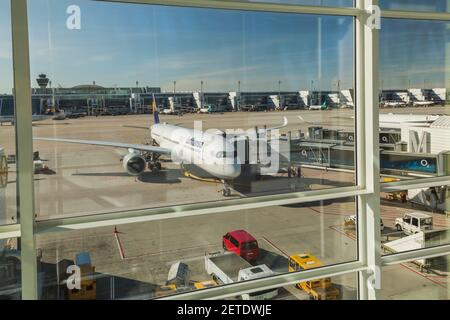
point(347, 234)
point(275, 247)
point(119, 244)
point(171, 251)
point(423, 276)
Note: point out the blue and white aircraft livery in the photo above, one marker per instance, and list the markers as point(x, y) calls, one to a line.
point(212, 152)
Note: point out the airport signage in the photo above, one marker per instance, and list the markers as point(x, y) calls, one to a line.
point(409, 162)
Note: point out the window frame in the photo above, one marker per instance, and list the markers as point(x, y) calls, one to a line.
point(366, 191)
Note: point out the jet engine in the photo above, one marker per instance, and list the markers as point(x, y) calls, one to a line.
point(134, 163)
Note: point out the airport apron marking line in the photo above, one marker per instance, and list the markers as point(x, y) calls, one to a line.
point(422, 275)
point(275, 247)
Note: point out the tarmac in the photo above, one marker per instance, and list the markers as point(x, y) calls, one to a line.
point(84, 180)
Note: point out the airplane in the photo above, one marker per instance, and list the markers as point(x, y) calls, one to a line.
point(423, 103)
point(35, 117)
point(211, 152)
point(211, 108)
point(319, 107)
point(395, 104)
point(12, 119)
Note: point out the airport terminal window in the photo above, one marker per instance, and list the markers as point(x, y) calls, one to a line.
point(8, 211)
point(162, 257)
point(274, 92)
point(423, 279)
point(117, 111)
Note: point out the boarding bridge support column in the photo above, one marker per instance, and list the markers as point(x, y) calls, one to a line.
point(3, 184)
point(446, 165)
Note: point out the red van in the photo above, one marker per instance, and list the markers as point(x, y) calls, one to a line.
point(242, 243)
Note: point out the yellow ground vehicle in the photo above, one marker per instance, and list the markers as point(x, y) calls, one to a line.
point(167, 290)
point(88, 287)
point(205, 284)
point(321, 289)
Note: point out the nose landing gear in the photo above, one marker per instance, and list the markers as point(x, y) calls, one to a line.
point(226, 192)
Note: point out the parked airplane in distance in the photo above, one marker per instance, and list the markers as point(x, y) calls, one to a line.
point(395, 104)
point(12, 119)
point(423, 103)
point(319, 107)
point(214, 153)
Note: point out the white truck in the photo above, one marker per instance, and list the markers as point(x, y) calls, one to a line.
point(414, 222)
point(227, 268)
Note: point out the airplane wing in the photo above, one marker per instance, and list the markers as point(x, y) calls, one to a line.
point(140, 147)
point(136, 127)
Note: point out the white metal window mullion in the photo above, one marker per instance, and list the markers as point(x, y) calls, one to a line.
point(249, 6)
point(369, 234)
point(419, 254)
point(24, 147)
point(420, 183)
point(154, 214)
point(417, 15)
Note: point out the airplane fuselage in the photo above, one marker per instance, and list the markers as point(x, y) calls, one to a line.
point(210, 152)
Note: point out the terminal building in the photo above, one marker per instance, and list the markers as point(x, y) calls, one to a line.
point(95, 99)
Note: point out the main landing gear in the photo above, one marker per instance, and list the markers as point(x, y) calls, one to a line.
point(226, 191)
point(154, 166)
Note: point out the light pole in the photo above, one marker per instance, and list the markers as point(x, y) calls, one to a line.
point(201, 94)
point(279, 93)
point(239, 96)
point(338, 85)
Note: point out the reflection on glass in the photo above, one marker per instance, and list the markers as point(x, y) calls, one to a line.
point(425, 279)
point(10, 270)
point(414, 109)
point(415, 219)
point(214, 105)
point(415, 5)
point(159, 258)
point(326, 3)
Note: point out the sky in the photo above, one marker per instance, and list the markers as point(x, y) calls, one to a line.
point(119, 44)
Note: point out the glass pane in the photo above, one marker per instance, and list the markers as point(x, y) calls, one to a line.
point(325, 3)
point(208, 72)
point(415, 219)
point(10, 270)
point(8, 211)
point(416, 5)
point(158, 258)
point(414, 120)
point(426, 279)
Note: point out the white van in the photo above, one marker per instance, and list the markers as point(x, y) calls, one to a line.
point(414, 222)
